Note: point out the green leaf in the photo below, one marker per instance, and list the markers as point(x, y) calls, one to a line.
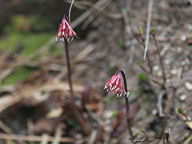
point(142, 131)
point(115, 113)
point(153, 31)
point(113, 69)
point(143, 78)
point(135, 135)
point(141, 31)
point(122, 44)
point(180, 110)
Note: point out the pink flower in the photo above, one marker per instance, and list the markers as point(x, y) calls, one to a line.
point(65, 31)
point(116, 85)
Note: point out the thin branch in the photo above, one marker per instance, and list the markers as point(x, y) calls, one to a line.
point(58, 134)
point(80, 57)
point(31, 138)
point(134, 141)
point(148, 56)
point(160, 60)
point(6, 129)
point(81, 18)
point(148, 26)
point(29, 92)
point(93, 137)
point(44, 139)
point(143, 68)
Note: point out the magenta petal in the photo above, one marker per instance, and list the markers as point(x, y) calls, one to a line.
point(65, 31)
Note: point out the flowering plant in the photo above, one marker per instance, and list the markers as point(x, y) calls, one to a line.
point(116, 85)
point(65, 31)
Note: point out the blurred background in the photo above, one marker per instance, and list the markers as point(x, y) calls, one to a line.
point(34, 93)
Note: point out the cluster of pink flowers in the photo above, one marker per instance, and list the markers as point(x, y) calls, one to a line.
point(65, 31)
point(116, 85)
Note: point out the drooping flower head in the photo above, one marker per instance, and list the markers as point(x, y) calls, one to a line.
point(116, 85)
point(65, 31)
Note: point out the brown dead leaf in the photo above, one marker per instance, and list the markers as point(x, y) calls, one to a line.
point(85, 95)
point(189, 40)
point(44, 126)
point(96, 107)
point(92, 100)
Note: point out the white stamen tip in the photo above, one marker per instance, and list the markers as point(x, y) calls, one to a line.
point(59, 34)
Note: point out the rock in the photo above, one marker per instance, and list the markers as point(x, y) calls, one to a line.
point(156, 68)
point(188, 85)
point(174, 71)
point(183, 97)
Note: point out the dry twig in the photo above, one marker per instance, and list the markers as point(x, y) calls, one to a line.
point(29, 92)
point(92, 137)
point(148, 27)
point(6, 129)
point(160, 60)
point(58, 134)
point(77, 59)
point(44, 139)
point(31, 138)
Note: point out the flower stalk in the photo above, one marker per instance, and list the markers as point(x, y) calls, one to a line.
point(127, 104)
point(69, 70)
point(65, 34)
point(118, 85)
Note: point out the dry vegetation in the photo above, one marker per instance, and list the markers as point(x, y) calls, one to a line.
point(35, 103)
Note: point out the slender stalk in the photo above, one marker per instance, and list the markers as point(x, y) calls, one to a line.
point(127, 105)
point(160, 60)
point(79, 117)
point(70, 10)
point(69, 70)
